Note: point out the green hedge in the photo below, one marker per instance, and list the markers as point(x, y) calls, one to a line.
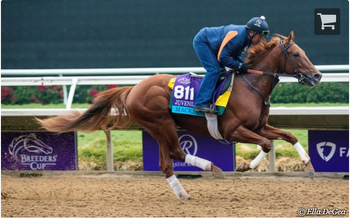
point(325, 92)
point(283, 93)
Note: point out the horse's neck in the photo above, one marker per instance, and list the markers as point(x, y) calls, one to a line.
point(269, 63)
point(261, 83)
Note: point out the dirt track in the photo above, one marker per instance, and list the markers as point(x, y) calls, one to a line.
point(120, 195)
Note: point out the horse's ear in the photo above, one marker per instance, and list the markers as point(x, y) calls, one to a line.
point(290, 37)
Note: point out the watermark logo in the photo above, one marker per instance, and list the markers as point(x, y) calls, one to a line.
point(327, 21)
point(188, 144)
point(321, 147)
point(314, 211)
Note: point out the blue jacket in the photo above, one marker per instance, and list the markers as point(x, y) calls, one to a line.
point(227, 42)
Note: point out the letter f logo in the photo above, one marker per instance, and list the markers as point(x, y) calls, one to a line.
point(320, 149)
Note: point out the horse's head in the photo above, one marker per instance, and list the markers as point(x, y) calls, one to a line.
point(296, 62)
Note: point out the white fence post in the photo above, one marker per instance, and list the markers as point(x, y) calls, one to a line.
point(110, 161)
point(71, 93)
point(272, 158)
point(64, 89)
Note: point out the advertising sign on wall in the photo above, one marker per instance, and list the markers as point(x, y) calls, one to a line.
point(219, 152)
point(329, 150)
point(38, 151)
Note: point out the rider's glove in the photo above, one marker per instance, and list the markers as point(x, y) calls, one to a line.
point(243, 68)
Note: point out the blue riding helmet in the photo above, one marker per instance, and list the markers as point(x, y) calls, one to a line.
point(258, 25)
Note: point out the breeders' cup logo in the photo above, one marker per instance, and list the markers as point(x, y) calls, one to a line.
point(321, 150)
point(188, 144)
point(31, 151)
point(258, 23)
point(184, 81)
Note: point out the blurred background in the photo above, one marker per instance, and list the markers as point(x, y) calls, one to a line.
point(54, 34)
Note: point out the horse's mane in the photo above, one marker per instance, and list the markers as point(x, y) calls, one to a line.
point(257, 52)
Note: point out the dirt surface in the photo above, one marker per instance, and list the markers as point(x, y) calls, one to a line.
point(140, 194)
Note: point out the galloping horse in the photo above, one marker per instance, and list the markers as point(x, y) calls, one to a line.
point(244, 120)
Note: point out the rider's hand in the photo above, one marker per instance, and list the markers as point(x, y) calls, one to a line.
point(243, 68)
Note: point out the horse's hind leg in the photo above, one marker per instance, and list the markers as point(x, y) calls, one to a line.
point(253, 164)
point(196, 161)
point(204, 165)
point(166, 165)
point(242, 134)
point(168, 132)
point(167, 138)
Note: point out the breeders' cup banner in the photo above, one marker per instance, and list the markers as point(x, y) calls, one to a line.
point(329, 150)
point(220, 153)
point(38, 151)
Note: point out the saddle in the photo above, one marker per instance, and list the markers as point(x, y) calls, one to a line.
point(185, 88)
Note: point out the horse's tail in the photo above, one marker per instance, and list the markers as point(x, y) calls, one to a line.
point(96, 117)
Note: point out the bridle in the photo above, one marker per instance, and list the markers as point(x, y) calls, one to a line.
point(300, 77)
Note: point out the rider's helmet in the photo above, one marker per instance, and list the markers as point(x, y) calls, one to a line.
point(258, 25)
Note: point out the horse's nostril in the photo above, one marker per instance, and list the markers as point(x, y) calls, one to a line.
point(317, 76)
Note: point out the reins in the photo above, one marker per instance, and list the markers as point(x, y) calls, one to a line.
point(286, 57)
point(275, 75)
point(266, 101)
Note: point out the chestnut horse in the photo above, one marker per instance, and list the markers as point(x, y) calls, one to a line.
point(244, 120)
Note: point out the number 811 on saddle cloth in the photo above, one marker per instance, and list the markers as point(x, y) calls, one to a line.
point(185, 88)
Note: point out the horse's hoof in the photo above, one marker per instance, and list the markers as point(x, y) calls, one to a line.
point(310, 170)
point(311, 175)
point(243, 167)
point(217, 172)
point(183, 196)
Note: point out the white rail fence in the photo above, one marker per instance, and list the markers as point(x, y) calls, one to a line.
point(342, 111)
point(137, 71)
point(74, 77)
point(135, 75)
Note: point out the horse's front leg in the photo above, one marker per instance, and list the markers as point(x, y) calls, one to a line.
point(242, 134)
point(273, 133)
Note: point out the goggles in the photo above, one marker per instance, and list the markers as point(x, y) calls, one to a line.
point(265, 32)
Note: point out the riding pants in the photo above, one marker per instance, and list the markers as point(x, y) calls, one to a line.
point(208, 59)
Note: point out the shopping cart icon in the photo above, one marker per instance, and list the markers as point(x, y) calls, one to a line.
point(327, 20)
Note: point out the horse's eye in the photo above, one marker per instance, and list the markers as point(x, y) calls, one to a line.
point(296, 55)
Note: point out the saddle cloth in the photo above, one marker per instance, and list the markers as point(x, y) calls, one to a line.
point(185, 88)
